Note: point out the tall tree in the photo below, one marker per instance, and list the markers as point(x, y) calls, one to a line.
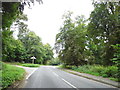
point(48, 53)
point(70, 42)
point(10, 11)
point(103, 30)
point(12, 50)
point(35, 47)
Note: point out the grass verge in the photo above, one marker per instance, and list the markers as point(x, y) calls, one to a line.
point(110, 72)
point(14, 63)
point(23, 64)
point(30, 65)
point(10, 74)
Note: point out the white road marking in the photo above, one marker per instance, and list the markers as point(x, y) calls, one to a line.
point(31, 73)
point(56, 74)
point(69, 83)
point(64, 80)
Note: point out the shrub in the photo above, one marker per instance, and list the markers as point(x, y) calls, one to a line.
point(111, 71)
point(105, 75)
point(99, 70)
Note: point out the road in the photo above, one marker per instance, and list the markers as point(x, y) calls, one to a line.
point(51, 77)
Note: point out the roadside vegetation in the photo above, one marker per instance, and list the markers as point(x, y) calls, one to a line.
point(10, 74)
point(110, 72)
point(14, 63)
point(31, 65)
point(54, 61)
point(27, 44)
point(23, 64)
point(94, 41)
point(91, 45)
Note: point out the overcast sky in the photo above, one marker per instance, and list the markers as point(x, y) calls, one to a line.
point(46, 19)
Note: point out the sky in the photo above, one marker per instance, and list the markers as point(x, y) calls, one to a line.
point(45, 19)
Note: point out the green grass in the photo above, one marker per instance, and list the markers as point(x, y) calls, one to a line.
point(23, 64)
point(10, 74)
point(14, 63)
point(30, 65)
point(110, 72)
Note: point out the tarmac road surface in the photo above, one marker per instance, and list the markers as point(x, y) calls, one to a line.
point(51, 77)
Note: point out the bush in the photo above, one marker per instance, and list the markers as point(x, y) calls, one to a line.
point(98, 70)
point(104, 75)
point(10, 74)
point(111, 71)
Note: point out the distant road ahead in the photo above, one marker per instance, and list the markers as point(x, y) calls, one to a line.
point(51, 77)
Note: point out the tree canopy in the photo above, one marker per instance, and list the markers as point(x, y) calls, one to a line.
point(79, 42)
point(93, 42)
point(28, 43)
point(70, 42)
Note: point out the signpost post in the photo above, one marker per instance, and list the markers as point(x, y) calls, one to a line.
point(33, 58)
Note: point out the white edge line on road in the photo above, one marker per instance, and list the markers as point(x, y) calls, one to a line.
point(31, 73)
point(56, 74)
point(69, 83)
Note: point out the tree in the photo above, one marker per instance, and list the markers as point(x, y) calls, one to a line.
point(48, 53)
point(11, 48)
point(31, 43)
point(54, 61)
point(35, 47)
point(103, 31)
point(10, 12)
point(71, 42)
point(22, 27)
point(14, 51)
point(20, 52)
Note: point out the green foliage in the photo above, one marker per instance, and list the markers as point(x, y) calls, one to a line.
point(103, 31)
point(32, 44)
point(28, 43)
point(54, 61)
point(66, 66)
point(14, 63)
point(10, 74)
point(98, 70)
point(30, 65)
point(12, 50)
point(24, 48)
point(70, 42)
point(10, 13)
point(48, 53)
point(78, 43)
point(116, 58)
point(35, 47)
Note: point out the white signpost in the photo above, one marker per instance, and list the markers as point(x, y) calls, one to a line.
point(33, 58)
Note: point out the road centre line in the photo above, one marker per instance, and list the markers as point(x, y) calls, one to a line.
point(64, 80)
point(56, 74)
point(31, 73)
point(68, 83)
